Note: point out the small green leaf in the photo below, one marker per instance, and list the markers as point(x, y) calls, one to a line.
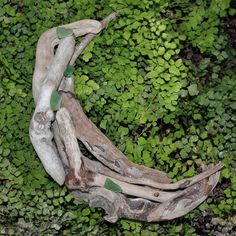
point(69, 197)
point(162, 27)
point(225, 173)
point(49, 193)
point(127, 35)
point(167, 56)
point(55, 202)
point(189, 173)
point(193, 90)
point(10, 10)
point(143, 119)
point(55, 101)
point(161, 51)
point(174, 70)
point(69, 71)
point(63, 32)
point(103, 124)
point(109, 184)
point(93, 85)
point(86, 212)
point(178, 63)
point(87, 56)
point(6, 152)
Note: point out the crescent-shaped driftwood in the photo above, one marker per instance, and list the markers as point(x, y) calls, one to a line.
point(54, 136)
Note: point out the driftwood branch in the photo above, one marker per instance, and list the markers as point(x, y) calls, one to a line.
point(54, 137)
point(48, 73)
point(40, 133)
point(46, 45)
point(83, 178)
point(102, 148)
point(118, 206)
point(96, 143)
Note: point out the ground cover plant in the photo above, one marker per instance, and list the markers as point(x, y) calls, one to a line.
point(166, 92)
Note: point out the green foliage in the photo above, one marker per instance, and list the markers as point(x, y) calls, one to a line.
point(159, 83)
point(192, 89)
point(110, 185)
point(200, 23)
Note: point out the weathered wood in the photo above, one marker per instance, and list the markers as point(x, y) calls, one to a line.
point(60, 146)
point(118, 206)
point(83, 178)
point(40, 133)
point(75, 177)
point(67, 135)
point(102, 148)
point(45, 49)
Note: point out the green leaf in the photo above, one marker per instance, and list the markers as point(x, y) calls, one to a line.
point(193, 90)
point(69, 197)
point(55, 101)
point(225, 173)
point(87, 56)
point(178, 63)
point(143, 119)
point(93, 85)
point(55, 202)
point(152, 74)
point(127, 35)
point(86, 212)
point(49, 193)
point(69, 71)
point(162, 27)
point(174, 70)
point(161, 51)
point(167, 56)
point(6, 152)
point(189, 173)
point(182, 37)
point(109, 184)
point(63, 32)
point(103, 124)
point(10, 10)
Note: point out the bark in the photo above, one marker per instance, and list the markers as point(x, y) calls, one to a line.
point(118, 206)
point(40, 133)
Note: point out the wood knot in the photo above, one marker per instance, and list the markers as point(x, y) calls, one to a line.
point(41, 118)
point(81, 181)
point(156, 194)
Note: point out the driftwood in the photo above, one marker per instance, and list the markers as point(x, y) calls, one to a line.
point(111, 181)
